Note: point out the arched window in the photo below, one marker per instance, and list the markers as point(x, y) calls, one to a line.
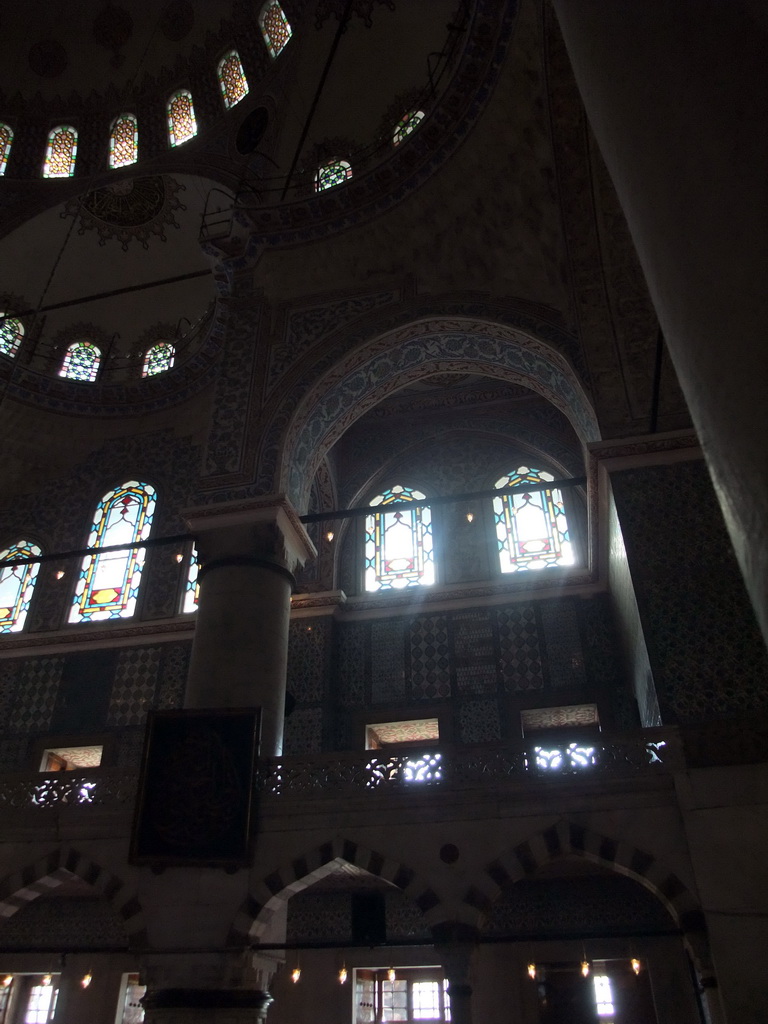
point(6, 141)
point(61, 153)
point(234, 85)
point(334, 173)
point(182, 125)
point(398, 545)
point(16, 585)
point(406, 124)
point(81, 361)
point(11, 333)
point(124, 141)
point(192, 584)
point(108, 584)
point(158, 359)
point(274, 27)
point(531, 528)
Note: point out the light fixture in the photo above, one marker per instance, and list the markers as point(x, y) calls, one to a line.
point(470, 516)
point(343, 974)
point(46, 979)
point(60, 574)
point(636, 965)
point(532, 970)
point(391, 974)
point(7, 980)
point(329, 536)
point(86, 979)
point(179, 557)
point(295, 974)
point(585, 968)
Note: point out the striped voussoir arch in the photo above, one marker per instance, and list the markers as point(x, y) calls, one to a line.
point(255, 914)
point(566, 839)
point(43, 875)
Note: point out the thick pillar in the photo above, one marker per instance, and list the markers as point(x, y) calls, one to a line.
point(676, 96)
point(455, 943)
point(248, 553)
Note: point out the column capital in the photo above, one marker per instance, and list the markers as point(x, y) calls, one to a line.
point(268, 524)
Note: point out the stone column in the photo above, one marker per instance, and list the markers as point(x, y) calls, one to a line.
point(676, 96)
point(248, 553)
point(213, 989)
point(455, 944)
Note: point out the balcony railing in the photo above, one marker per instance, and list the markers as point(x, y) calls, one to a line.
point(93, 787)
point(653, 752)
point(649, 753)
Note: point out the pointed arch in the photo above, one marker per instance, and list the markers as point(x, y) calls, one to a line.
point(20, 887)
point(255, 914)
point(274, 27)
point(232, 80)
point(567, 839)
point(17, 584)
point(182, 123)
point(108, 584)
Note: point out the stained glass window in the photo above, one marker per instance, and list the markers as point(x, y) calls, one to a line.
point(406, 125)
point(6, 140)
point(11, 333)
point(16, 586)
point(61, 153)
point(398, 545)
point(124, 141)
point(158, 359)
point(274, 27)
point(234, 85)
point(531, 528)
point(192, 585)
point(81, 361)
point(334, 173)
point(182, 125)
point(108, 585)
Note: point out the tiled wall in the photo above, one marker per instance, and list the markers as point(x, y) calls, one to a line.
point(704, 645)
point(478, 667)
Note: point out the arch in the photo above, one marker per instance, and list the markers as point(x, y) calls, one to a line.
point(254, 916)
point(17, 584)
point(566, 838)
point(274, 27)
point(25, 884)
point(182, 123)
point(398, 357)
point(234, 84)
point(124, 141)
point(61, 152)
point(108, 584)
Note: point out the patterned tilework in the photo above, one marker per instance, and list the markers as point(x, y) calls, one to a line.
point(387, 660)
point(173, 675)
point(308, 645)
point(35, 696)
point(303, 731)
point(479, 721)
point(52, 921)
point(610, 904)
point(430, 658)
point(130, 748)
point(474, 652)
point(521, 666)
point(705, 648)
point(351, 664)
point(133, 690)
point(13, 754)
point(565, 661)
point(10, 671)
point(327, 916)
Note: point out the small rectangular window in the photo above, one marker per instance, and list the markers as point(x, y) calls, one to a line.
point(69, 759)
point(401, 995)
point(129, 1008)
point(384, 735)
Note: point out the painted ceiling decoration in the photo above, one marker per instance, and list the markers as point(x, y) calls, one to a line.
point(137, 209)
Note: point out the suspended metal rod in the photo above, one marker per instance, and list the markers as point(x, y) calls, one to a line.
point(313, 517)
point(318, 92)
point(657, 381)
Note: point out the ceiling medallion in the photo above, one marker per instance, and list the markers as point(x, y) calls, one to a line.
point(48, 58)
point(112, 28)
point(358, 8)
point(133, 208)
point(176, 20)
